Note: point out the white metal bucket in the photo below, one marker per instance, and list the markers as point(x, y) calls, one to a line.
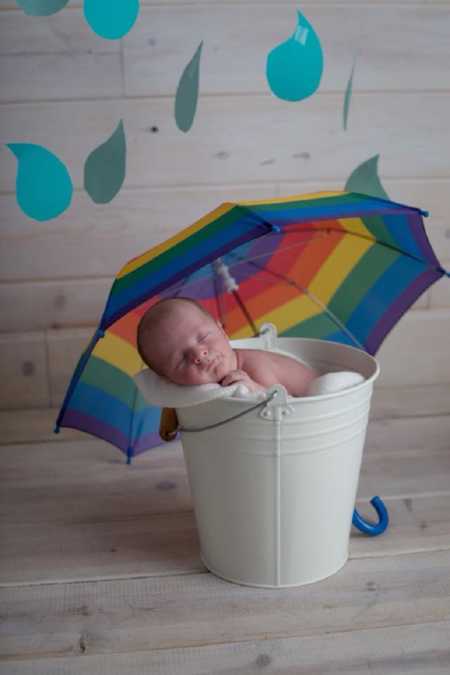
point(274, 490)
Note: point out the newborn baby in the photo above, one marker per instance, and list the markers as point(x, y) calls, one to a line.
point(180, 340)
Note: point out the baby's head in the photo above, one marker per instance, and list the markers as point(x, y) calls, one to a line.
point(180, 340)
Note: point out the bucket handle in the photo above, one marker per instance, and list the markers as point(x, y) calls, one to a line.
point(373, 529)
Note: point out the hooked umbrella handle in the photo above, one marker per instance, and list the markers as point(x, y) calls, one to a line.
point(373, 529)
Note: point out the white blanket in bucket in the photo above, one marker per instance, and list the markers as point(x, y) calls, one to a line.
point(159, 391)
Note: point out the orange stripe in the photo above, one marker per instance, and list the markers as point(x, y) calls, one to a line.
point(303, 270)
point(300, 263)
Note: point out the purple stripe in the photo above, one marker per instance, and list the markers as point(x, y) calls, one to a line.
point(148, 441)
point(77, 420)
point(203, 287)
point(399, 307)
point(418, 231)
point(135, 301)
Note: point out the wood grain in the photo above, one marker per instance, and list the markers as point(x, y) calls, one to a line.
point(157, 612)
point(232, 139)
point(396, 650)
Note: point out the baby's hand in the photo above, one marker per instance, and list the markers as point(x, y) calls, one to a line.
point(240, 377)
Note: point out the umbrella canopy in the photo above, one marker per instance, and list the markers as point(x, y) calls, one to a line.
point(337, 266)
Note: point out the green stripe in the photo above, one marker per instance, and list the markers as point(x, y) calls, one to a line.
point(378, 228)
point(364, 274)
point(318, 326)
point(176, 252)
point(106, 377)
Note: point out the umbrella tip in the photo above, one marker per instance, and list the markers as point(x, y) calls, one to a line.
point(56, 429)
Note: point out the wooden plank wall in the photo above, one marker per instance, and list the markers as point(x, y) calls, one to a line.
point(66, 88)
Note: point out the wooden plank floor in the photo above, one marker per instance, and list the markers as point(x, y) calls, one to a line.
point(100, 570)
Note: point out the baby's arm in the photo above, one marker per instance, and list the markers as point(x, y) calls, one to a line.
point(293, 375)
point(268, 368)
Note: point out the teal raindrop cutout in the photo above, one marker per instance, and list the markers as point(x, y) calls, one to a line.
point(41, 7)
point(187, 92)
point(111, 19)
point(365, 179)
point(294, 68)
point(347, 98)
point(43, 185)
point(104, 169)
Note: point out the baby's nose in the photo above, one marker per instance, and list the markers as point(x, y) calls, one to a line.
point(200, 354)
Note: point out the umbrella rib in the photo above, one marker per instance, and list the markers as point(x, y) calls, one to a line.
point(361, 236)
point(307, 292)
point(276, 230)
point(321, 232)
point(218, 300)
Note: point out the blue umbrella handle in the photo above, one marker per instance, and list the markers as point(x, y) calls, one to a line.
point(373, 529)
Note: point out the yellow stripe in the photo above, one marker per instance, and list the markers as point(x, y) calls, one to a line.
point(210, 217)
point(356, 226)
point(324, 284)
point(285, 316)
point(293, 198)
point(339, 263)
point(176, 239)
point(118, 353)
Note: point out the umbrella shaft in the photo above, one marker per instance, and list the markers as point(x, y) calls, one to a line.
point(245, 312)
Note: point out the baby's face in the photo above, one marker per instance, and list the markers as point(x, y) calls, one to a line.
point(188, 347)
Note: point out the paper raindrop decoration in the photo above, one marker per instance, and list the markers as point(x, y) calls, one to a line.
point(43, 185)
point(104, 169)
point(111, 19)
point(365, 179)
point(187, 92)
point(347, 99)
point(41, 7)
point(294, 68)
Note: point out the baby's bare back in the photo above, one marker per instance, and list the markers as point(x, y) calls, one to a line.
point(268, 368)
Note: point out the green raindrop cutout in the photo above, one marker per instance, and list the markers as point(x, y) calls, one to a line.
point(43, 184)
point(347, 98)
point(365, 179)
point(104, 169)
point(41, 7)
point(187, 92)
point(111, 19)
point(294, 68)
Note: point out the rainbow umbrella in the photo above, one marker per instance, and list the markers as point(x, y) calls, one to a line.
point(337, 266)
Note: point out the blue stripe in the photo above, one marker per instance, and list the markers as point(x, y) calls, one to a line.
point(333, 211)
point(207, 250)
point(383, 293)
point(111, 411)
point(401, 230)
point(146, 421)
point(343, 338)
